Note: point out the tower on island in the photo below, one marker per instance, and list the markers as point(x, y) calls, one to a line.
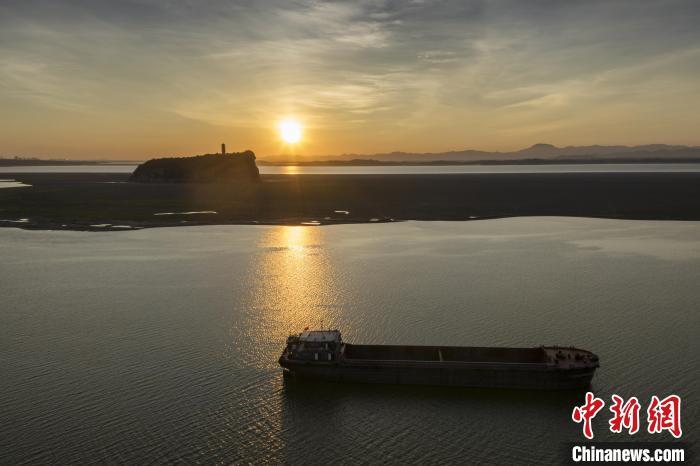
point(223, 149)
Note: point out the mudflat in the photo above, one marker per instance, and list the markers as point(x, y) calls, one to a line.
point(90, 201)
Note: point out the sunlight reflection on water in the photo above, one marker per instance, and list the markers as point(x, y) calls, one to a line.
point(294, 286)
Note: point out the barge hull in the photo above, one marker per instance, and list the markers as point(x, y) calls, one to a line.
point(322, 355)
point(453, 377)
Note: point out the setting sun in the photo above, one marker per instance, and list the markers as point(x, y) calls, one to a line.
point(290, 131)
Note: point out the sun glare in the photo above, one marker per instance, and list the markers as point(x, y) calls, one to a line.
point(290, 131)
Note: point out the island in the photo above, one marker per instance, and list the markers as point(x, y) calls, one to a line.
point(208, 168)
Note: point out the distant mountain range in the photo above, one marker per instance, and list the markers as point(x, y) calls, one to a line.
point(537, 152)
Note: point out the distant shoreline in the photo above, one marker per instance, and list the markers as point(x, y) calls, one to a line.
point(107, 201)
point(53, 163)
point(9, 163)
point(537, 154)
point(538, 161)
point(44, 162)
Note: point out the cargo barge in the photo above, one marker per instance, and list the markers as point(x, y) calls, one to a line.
point(322, 354)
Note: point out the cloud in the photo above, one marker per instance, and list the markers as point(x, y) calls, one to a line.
point(407, 68)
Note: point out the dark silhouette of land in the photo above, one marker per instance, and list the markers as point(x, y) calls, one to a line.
point(21, 162)
point(79, 200)
point(536, 161)
point(535, 154)
point(222, 168)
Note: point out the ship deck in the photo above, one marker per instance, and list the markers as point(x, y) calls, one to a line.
point(445, 354)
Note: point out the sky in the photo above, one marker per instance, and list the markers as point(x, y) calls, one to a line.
point(134, 79)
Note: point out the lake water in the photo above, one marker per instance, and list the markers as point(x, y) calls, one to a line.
point(160, 345)
point(399, 170)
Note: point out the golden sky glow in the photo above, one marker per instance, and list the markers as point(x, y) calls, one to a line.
point(142, 78)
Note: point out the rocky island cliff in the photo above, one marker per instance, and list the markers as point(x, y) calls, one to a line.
point(209, 168)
